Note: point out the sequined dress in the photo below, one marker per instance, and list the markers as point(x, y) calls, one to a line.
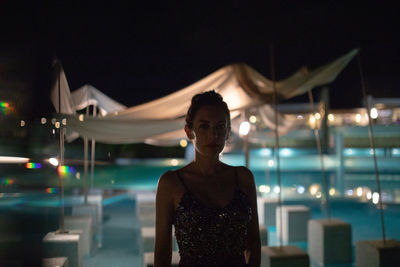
point(211, 236)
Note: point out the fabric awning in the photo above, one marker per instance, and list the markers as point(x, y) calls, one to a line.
point(161, 121)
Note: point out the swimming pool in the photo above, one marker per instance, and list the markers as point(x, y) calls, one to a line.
point(30, 203)
point(300, 170)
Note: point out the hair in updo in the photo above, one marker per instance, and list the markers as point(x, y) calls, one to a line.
point(208, 98)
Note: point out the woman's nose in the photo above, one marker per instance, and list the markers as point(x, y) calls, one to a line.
point(216, 133)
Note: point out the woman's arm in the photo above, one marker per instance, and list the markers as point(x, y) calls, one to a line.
point(253, 240)
point(164, 220)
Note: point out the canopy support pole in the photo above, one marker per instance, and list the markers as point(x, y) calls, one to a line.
point(372, 143)
point(86, 164)
point(321, 157)
point(93, 155)
point(278, 170)
point(61, 157)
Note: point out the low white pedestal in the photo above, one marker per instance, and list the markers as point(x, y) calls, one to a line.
point(86, 209)
point(91, 210)
point(149, 259)
point(284, 256)
point(83, 223)
point(263, 235)
point(373, 253)
point(270, 206)
point(64, 245)
point(329, 241)
point(294, 223)
point(55, 262)
point(96, 199)
point(146, 208)
point(148, 239)
point(147, 214)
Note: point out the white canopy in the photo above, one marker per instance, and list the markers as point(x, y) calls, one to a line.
point(81, 98)
point(161, 121)
point(88, 95)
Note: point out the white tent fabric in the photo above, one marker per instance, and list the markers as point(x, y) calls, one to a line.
point(61, 95)
point(161, 121)
point(79, 99)
point(88, 95)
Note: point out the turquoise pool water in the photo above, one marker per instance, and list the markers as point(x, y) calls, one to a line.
point(299, 169)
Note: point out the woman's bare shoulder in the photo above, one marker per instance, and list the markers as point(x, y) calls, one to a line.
point(167, 180)
point(246, 178)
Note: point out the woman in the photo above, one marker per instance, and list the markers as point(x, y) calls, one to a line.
point(213, 206)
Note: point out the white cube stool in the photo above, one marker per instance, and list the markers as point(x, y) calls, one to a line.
point(263, 235)
point(149, 259)
point(284, 256)
point(146, 208)
point(97, 199)
point(64, 245)
point(92, 210)
point(55, 262)
point(373, 253)
point(148, 235)
point(86, 209)
point(260, 209)
point(270, 211)
point(294, 223)
point(329, 241)
point(94, 199)
point(146, 212)
point(83, 223)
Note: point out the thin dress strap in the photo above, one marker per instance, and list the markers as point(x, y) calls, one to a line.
point(181, 179)
point(236, 179)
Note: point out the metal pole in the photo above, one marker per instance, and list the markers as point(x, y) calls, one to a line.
point(278, 171)
point(372, 143)
point(61, 162)
point(85, 164)
point(93, 155)
point(321, 157)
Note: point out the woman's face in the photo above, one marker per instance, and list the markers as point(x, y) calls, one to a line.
point(210, 130)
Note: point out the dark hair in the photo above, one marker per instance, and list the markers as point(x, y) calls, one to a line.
point(208, 98)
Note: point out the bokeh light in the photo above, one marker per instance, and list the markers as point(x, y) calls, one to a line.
point(264, 188)
point(52, 190)
point(314, 189)
point(300, 189)
point(183, 143)
point(65, 170)
point(53, 161)
point(6, 181)
point(244, 128)
point(374, 113)
point(277, 189)
point(375, 198)
point(32, 165)
point(332, 191)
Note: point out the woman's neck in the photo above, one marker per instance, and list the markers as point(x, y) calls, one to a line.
point(207, 166)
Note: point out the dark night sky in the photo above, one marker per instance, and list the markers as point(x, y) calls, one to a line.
point(139, 53)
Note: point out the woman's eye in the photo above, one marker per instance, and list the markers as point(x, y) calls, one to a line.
point(203, 126)
point(221, 126)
